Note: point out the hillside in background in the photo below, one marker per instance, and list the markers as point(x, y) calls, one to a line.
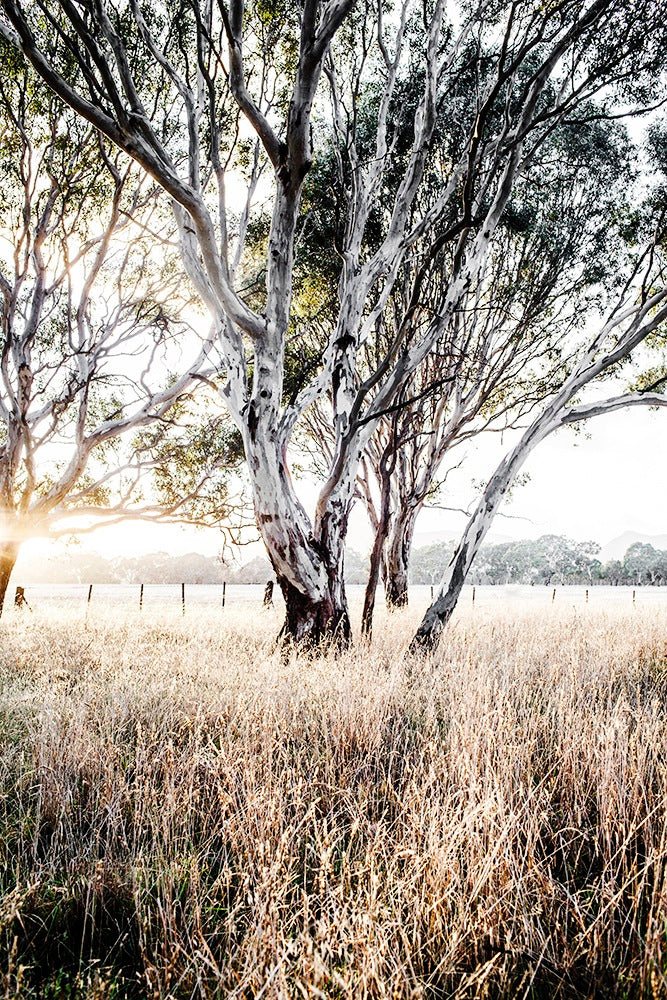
point(157, 567)
point(617, 547)
point(549, 559)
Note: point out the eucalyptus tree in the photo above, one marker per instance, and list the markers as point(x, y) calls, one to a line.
point(89, 324)
point(637, 318)
point(195, 90)
point(509, 342)
point(561, 237)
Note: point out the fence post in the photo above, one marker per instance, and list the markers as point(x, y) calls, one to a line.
point(90, 594)
point(473, 597)
point(183, 597)
point(586, 596)
point(224, 588)
point(20, 600)
point(141, 597)
point(553, 596)
point(431, 591)
point(633, 596)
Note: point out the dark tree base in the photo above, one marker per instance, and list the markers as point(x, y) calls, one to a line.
point(314, 623)
point(396, 593)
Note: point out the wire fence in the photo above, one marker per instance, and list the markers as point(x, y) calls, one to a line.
point(175, 598)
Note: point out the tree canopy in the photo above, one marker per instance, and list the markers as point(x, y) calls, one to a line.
point(436, 121)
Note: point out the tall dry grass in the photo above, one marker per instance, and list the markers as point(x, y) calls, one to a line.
point(184, 815)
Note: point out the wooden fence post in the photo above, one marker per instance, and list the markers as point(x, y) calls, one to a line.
point(553, 596)
point(183, 597)
point(20, 600)
point(224, 588)
point(473, 597)
point(141, 598)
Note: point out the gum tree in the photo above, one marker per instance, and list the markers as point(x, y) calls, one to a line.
point(88, 325)
point(199, 92)
point(637, 318)
point(508, 344)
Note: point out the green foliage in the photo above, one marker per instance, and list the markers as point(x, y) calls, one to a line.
point(551, 559)
point(302, 359)
point(654, 378)
point(90, 492)
point(196, 457)
point(643, 564)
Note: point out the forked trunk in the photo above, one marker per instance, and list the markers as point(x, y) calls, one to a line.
point(8, 555)
point(310, 573)
point(309, 568)
point(398, 558)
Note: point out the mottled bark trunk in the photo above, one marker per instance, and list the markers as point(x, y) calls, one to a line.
point(439, 613)
point(310, 574)
point(316, 620)
point(320, 615)
point(8, 555)
point(314, 588)
point(442, 608)
point(396, 588)
point(397, 559)
point(309, 567)
point(377, 563)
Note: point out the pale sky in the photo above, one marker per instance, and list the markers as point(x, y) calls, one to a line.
point(609, 479)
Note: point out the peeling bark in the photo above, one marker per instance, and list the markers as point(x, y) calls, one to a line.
point(376, 565)
point(439, 613)
point(386, 468)
point(396, 588)
point(397, 560)
point(309, 565)
point(316, 621)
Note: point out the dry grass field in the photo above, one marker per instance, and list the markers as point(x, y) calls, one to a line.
point(183, 814)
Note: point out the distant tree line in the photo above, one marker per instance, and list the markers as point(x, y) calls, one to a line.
point(161, 567)
point(384, 228)
point(551, 559)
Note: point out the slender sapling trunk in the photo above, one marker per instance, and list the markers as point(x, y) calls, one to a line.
point(398, 557)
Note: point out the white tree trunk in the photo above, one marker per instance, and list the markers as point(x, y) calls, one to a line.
point(442, 608)
point(308, 569)
point(397, 557)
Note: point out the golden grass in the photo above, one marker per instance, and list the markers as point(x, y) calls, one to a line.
point(184, 815)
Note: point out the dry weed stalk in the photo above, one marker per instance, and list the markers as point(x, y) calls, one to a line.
point(184, 815)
